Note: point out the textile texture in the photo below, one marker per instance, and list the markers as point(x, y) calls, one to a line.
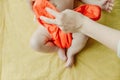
point(19, 62)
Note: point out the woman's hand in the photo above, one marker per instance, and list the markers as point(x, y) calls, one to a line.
point(67, 20)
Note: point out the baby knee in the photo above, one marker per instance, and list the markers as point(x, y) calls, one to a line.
point(40, 46)
point(35, 45)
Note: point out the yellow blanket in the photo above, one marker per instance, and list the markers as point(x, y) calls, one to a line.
point(19, 62)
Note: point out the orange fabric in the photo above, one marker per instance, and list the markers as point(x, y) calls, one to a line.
point(60, 38)
point(91, 11)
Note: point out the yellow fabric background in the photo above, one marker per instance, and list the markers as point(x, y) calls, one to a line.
point(19, 62)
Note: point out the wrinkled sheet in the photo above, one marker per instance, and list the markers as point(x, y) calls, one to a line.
point(19, 62)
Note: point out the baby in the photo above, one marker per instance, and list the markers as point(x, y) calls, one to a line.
point(42, 41)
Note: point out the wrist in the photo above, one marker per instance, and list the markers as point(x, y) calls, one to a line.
point(80, 21)
point(85, 27)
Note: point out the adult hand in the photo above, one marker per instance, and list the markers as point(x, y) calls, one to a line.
point(68, 21)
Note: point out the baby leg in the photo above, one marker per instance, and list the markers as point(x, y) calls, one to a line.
point(61, 54)
point(104, 4)
point(41, 41)
point(78, 43)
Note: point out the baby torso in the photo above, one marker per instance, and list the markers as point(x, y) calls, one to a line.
point(62, 4)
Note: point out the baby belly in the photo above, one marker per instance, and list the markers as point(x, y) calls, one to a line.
point(63, 4)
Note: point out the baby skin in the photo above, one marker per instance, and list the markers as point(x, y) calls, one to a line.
point(41, 40)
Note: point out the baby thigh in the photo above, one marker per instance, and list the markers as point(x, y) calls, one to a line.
point(41, 41)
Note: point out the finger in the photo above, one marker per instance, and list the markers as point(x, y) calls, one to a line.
point(111, 4)
point(48, 20)
point(109, 10)
point(51, 11)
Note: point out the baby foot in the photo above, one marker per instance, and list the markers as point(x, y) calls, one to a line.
point(108, 5)
point(69, 62)
point(61, 54)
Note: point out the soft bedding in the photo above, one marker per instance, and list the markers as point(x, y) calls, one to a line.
point(19, 62)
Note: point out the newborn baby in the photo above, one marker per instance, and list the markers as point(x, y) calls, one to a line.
point(43, 41)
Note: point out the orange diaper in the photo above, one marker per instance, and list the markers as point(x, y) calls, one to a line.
point(60, 38)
